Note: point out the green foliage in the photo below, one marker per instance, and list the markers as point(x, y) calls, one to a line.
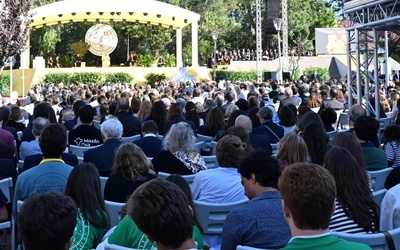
point(235, 75)
point(65, 61)
point(57, 78)
point(170, 60)
point(146, 60)
point(322, 72)
point(86, 77)
point(297, 74)
point(152, 78)
point(51, 36)
point(80, 48)
point(5, 84)
point(118, 77)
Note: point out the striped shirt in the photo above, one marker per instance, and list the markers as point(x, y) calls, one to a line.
point(340, 222)
point(392, 149)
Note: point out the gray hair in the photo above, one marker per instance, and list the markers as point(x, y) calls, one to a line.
point(180, 137)
point(38, 125)
point(245, 122)
point(111, 128)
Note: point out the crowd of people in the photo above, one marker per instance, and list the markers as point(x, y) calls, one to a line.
point(247, 121)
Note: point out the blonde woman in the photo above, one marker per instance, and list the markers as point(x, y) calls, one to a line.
point(144, 111)
point(292, 149)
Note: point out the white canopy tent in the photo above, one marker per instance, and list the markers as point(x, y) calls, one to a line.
point(140, 11)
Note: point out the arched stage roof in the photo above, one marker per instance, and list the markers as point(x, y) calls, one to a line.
point(141, 11)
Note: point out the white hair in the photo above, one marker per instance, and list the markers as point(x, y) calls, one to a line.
point(112, 128)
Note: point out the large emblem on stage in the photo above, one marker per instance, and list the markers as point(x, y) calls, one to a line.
point(102, 39)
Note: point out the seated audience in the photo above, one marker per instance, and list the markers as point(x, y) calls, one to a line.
point(179, 154)
point(130, 170)
point(85, 134)
point(392, 145)
point(34, 160)
point(83, 186)
point(317, 143)
point(366, 128)
point(59, 213)
point(15, 119)
point(286, 155)
point(32, 147)
point(355, 209)
point(149, 143)
point(257, 141)
point(170, 221)
point(5, 136)
point(103, 156)
point(268, 127)
point(328, 117)
point(158, 115)
point(70, 124)
point(259, 223)
point(308, 209)
point(287, 119)
point(130, 124)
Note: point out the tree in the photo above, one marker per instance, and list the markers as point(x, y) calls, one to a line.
point(14, 22)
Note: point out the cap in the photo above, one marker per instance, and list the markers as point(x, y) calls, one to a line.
point(265, 112)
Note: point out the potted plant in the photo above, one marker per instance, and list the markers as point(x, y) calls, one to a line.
point(80, 49)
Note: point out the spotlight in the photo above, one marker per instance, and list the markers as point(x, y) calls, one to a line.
point(88, 13)
point(145, 14)
point(185, 21)
point(130, 13)
point(158, 15)
point(112, 13)
point(73, 13)
point(118, 13)
point(173, 18)
point(101, 13)
point(59, 15)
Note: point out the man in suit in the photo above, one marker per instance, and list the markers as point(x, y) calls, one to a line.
point(257, 141)
point(40, 110)
point(70, 124)
point(150, 144)
point(331, 102)
point(289, 98)
point(32, 147)
point(103, 156)
point(131, 125)
point(268, 127)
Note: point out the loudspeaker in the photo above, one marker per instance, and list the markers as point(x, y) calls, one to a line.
point(267, 76)
point(286, 75)
point(209, 63)
point(272, 13)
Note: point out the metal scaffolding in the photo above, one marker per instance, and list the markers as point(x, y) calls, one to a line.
point(368, 17)
point(285, 46)
point(258, 42)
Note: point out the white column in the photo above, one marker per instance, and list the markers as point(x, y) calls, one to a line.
point(195, 44)
point(26, 53)
point(179, 62)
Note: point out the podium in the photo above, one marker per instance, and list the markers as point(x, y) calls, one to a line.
point(39, 62)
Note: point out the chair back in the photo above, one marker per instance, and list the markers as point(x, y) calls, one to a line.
point(204, 138)
point(6, 185)
point(383, 123)
point(212, 216)
point(378, 178)
point(78, 150)
point(199, 146)
point(274, 148)
point(108, 246)
point(130, 138)
point(103, 180)
point(20, 166)
point(378, 196)
point(19, 135)
point(114, 210)
point(211, 161)
point(240, 247)
point(188, 178)
point(343, 120)
point(331, 136)
point(96, 123)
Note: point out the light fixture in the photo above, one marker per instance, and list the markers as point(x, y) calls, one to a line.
point(173, 18)
point(130, 13)
point(158, 15)
point(145, 14)
point(278, 23)
point(185, 21)
point(88, 13)
point(73, 13)
point(112, 13)
point(118, 13)
point(101, 13)
point(60, 15)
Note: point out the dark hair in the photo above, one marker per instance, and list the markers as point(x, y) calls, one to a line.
point(135, 104)
point(83, 186)
point(232, 118)
point(308, 118)
point(158, 112)
point(265, 168)
point(41, 110)
point(47, 221)
point(311, 207)
point(317, 142)
point(160, 210)
point(191, 114)
point(230, 151)
point(6, 112)
point(255, 121)
point(77, 104)
point(286, 116)
point(123, 104)
point(352, 189)
point(174, 109)
point(86, 113)
point(183, 184)
point(112, 108)
point(349, 141)
point(242, 104)
point(150, 127)
point(214, 121)
point(53, 140)
point(328, 117)
point(366, 128)
point(391, 133)
point(230, 96)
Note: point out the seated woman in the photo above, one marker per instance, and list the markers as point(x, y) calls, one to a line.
point(179, 155)
point(130, 170)
point(83, 186)
point(356, 211)
point(328, 117)
point(286, 155)
point(392, 145)
point(15, 119)
point(317, 143)
point(127, 233)
point(214, 121)
point(287, 119)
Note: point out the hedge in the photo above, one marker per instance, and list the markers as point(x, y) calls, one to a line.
point(87, 77)
point(5, 84)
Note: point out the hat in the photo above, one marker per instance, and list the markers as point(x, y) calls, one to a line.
point(265, 113)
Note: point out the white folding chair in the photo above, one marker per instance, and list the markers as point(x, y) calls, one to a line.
point(331, 136)
point(103, 180)
point(96, 123)
point(343, 121)
point(19, 135)
point(188, 178)
point(130, 138)
point(78, 150)
point(212, 216)
point(378, 196)
point(383, 123)
point(211, 161)
point(114, 212)
point(14, 236)
point(20, 166)
point(6, 185)
point(378, 178)
point(274, 148)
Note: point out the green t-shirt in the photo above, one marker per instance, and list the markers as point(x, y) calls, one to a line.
point(127, 234)
point(324, 242)
point(86, 236)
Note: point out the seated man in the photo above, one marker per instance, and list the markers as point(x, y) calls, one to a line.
point(259, 223)
point(161, 211)
point(52, 173)
point(70, 124)
point(86, 134)
point(41, 110)
point(130, 123)
point(257, 141)
point(34, 160)
point(32, 147)
point(47, 221)
point(308, 209)
point(366, 128)
point(103, 156)
point(268, 127)
point(150, 144)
